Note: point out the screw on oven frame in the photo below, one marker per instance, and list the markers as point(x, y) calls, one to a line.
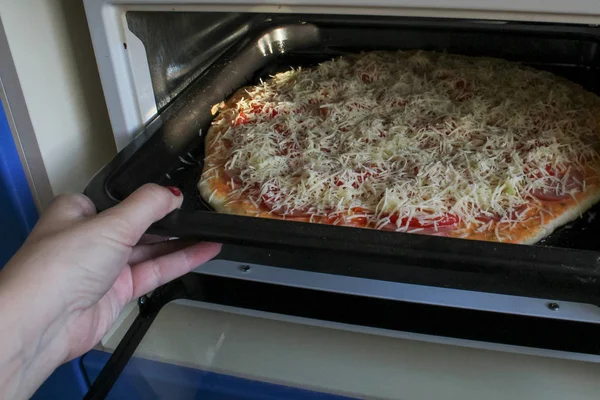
point(244, 268)
point(553, 306)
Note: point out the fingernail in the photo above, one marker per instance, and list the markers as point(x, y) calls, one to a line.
point(174, 190)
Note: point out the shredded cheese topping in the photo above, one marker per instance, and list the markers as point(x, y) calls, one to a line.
point(411, 139)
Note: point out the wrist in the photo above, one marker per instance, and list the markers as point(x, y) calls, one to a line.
point(30, 343)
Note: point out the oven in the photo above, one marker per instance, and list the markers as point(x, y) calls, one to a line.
point(164, 65)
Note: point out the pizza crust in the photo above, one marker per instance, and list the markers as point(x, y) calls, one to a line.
point(591, 197)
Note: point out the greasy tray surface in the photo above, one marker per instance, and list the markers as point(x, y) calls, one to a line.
point(170, 150)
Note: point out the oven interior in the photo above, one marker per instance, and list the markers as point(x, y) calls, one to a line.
point(198, 59)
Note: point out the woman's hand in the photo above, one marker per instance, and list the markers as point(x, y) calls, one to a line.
point(67, 285)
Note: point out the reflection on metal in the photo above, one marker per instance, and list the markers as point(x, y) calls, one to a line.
point(180, 46)
point(274, 38)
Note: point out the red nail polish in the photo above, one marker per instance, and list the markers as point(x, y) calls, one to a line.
point(174, 190)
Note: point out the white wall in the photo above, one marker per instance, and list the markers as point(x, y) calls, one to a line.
point(54, 60)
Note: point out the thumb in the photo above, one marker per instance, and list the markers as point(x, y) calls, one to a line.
point(133, 216)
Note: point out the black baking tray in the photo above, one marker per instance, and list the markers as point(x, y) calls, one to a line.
point(169, 151)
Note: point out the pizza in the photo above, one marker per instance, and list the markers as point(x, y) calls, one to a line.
point(418, 142)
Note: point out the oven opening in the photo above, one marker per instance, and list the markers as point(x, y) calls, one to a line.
point(193, 61)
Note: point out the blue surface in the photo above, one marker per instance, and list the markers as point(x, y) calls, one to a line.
point(145, 379)
point(66, 383)
point(17, 209)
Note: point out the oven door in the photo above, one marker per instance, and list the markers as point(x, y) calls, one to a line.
point(246, 330)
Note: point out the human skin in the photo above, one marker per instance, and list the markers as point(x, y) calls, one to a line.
point(64, 289)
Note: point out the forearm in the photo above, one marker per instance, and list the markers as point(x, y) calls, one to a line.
point(29, 338)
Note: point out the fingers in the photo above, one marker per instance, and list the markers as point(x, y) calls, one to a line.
point(63, 212)
point(153, 273)
point(128, 221)
point(144, 252)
